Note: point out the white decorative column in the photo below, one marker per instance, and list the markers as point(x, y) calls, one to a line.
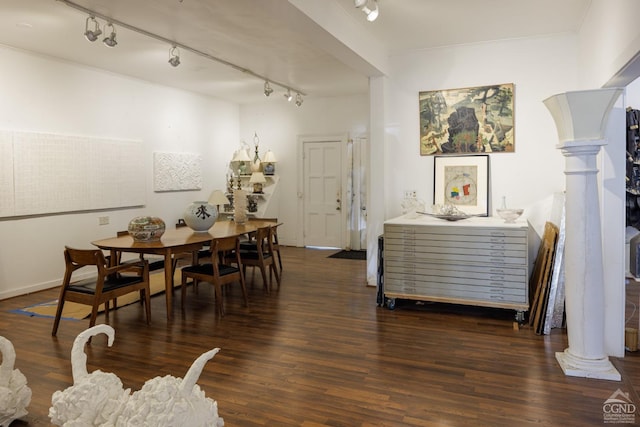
point(581, 118)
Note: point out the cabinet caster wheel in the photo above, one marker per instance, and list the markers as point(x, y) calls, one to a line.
point(391, 303)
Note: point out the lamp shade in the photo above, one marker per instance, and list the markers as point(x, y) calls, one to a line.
point(241, 156)
point(218, 198)
point(582, 115)
point(257, 178)
point(269, 157)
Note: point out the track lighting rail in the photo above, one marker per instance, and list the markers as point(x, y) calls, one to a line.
point(182, 47)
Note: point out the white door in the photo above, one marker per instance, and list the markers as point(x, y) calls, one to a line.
point(322, 194)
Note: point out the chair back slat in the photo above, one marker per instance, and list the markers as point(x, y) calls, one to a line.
point(224, 244)
point(78, 258)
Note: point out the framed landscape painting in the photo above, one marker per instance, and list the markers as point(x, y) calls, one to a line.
point(462, 181)
point(465, 121)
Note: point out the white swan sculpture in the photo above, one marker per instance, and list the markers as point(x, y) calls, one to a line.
point(172, 402)
point(94, 399)
point(15, 395)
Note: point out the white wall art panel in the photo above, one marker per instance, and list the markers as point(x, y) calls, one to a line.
point(177, 171)
point(52, 173)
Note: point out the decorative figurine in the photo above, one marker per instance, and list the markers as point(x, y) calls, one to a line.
point(15, 395)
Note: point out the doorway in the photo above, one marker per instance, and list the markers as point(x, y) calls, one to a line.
point(332, 209)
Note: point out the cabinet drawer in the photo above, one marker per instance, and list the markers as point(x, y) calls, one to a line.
point(429, 280)
point(475, 250)
point(464, 271)
point(454, 259)
point(451, 231)
point(444, 290)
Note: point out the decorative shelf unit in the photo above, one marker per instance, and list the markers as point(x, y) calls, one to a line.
point(476, 261)
point(267, 206)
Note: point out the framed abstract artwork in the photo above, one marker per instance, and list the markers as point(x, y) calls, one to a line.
point(466, 121)
point(462, 181)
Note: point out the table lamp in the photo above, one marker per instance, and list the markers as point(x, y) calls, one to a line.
point(268, 162)
point(242, 157)
point(218, 198)
point(257, 179)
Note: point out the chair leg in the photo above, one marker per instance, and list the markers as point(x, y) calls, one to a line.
point(147, 304)
point(56, 321)
point(218, 296)
point(94, 314)
point(264, 279)
point(183, 289)
point(243, 287)
point(275, 272)
point(279, 260)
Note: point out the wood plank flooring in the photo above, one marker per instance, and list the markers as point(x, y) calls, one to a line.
point(319, 352)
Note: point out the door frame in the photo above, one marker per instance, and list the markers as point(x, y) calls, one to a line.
point(342, 138)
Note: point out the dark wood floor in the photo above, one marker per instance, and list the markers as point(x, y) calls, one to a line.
point(320, 353)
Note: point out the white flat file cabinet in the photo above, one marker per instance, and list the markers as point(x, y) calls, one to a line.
point(479, 261)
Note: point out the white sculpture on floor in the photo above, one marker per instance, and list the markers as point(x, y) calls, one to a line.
point(15, 395)
point(172, 402)
point(94, 399)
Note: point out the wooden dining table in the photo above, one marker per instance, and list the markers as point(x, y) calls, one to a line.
point(177, 241)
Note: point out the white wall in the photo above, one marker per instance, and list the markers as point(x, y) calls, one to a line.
point(48, 95)
point(279, 123)
point(538, 67)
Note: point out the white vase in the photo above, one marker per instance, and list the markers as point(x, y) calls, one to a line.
point(240, 206)
point(200, 216)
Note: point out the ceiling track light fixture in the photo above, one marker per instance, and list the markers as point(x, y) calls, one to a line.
point(369, 7)
point(110, 40)
point(92, 35)
point(288, 95)
point(174, 56)
point(183, 47)
point(299, 100)
point(268, 90)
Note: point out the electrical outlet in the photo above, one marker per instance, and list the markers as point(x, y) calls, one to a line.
point(410, 194)
point(103, 220)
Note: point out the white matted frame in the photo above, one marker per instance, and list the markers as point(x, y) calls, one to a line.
point(462, 181)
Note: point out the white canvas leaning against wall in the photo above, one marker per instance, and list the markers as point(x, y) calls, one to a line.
point(177, 171)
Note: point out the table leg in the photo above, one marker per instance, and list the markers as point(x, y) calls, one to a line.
point(113, 261)
point(168, 283)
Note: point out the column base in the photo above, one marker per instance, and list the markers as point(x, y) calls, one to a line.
point(574, 366)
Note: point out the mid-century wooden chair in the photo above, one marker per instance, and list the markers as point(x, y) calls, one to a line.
point(219, 271)
point(262, 255)
point(106, 286)
point(251, 244)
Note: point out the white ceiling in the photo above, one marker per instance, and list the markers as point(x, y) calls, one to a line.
point(272, 38)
